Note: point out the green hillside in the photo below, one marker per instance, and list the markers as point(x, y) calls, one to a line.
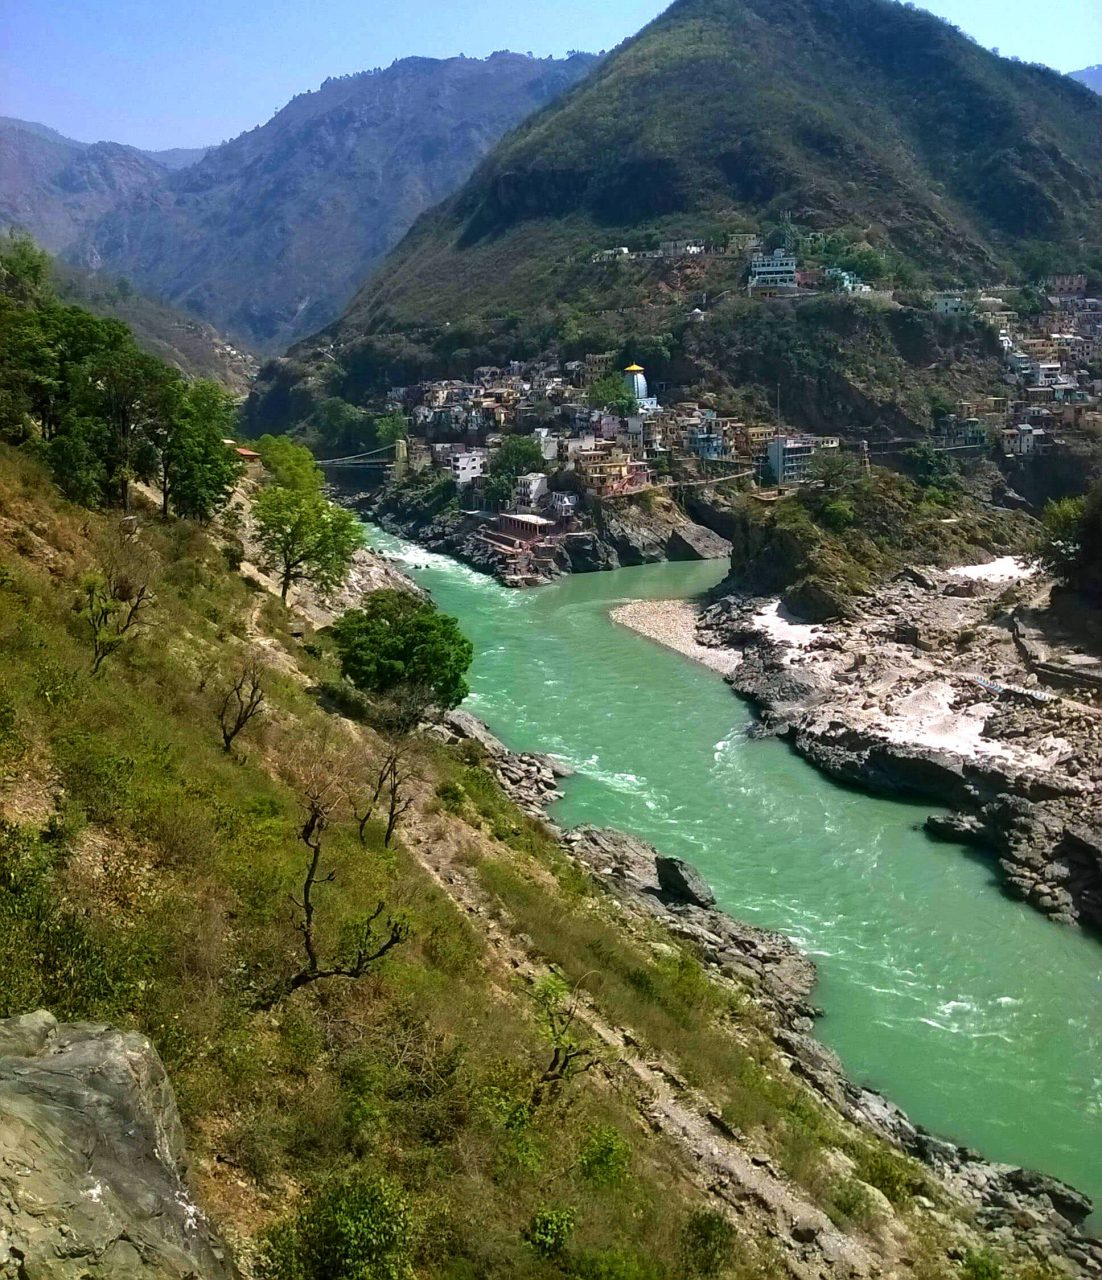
point(867, 120)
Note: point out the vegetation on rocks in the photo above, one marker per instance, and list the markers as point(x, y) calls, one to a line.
point(830, 542)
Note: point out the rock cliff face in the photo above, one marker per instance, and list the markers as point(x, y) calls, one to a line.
point(92, 1175)
point(617, 536)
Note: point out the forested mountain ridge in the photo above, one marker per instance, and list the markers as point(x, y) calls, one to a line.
point(864, 116)
point(269, 235)
point(180, 339)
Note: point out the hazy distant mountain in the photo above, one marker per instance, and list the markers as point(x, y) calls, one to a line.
point(269, 235)
point(57, 189)
point(1091, 77)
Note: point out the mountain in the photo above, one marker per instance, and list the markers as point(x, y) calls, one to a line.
point(178, 338)
point(863, 117)
point(58, 189)
point(1091, 77)
point(268, 236)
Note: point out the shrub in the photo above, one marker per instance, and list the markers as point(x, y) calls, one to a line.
point(605, 1158)
point(889, 1173)
point(357, 1229)
point(850, 1202)
point(838, 515)
point(549, 1231)
point(707, 1242)
point(981, 1266)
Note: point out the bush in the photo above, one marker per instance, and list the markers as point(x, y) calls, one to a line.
point(981, 1266)
point(605, 1158)
point(838, 515)
point(549, 1231)
point(357, 1229)
point(707, 1242)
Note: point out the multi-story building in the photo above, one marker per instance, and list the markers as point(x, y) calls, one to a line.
point(774, 271)
point(528, 491)
point(790, 457)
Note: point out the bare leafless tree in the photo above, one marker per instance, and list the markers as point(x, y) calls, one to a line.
point(242, 703)
point(117, 598)
point(325, 787)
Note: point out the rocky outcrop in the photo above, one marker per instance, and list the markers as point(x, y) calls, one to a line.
point(695, 542)
point(681, 882)
point(531, 781)
point(1019, 1206)
point(92, 1175)
point(937, 692)
point(612, 535)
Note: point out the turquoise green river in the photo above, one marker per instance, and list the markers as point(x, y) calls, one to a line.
point(971, 1011)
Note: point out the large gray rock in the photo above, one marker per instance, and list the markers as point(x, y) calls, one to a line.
point(681, 881)
point(92, 1177)
point(694, 542)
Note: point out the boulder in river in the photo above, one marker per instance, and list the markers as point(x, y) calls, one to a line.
point(92, 1177)
point(681, 881)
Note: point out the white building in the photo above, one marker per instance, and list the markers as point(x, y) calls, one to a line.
point(790, 457)
point(776, 270)
point(468, 465)
point(528, 492)
point(951, 304)
point(564, 505)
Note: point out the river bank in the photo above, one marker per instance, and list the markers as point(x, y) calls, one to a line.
point(933, 695)
point(937, 992)
point(604, 535)
point(1020, 1208)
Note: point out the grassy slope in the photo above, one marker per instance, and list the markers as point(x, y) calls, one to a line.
point(144, 879)
point(846, 112)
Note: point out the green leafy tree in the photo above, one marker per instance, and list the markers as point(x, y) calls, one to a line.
point(401, 647)
point(833, 469)
point(289, 464)
point(517, 456)
point(612, 394)
point(304, 538)
point(341, 425)
point(390, 428)
point(1059, 549)
point(24, 268)
point(358, 1229)
point(201, 469)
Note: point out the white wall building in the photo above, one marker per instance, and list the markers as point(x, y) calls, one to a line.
point(790, 457)
point(776, 270)
point(468, 466)
point(528, 492)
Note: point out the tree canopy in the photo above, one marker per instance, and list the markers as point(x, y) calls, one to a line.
point(399, 643)
point(304, 538)
point(612, 393)
point(76, 390)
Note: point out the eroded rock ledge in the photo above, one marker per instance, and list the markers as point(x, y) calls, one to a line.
point(933, 696)
point(92, 1174)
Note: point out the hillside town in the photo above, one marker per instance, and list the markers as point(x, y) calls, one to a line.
point(596, 432)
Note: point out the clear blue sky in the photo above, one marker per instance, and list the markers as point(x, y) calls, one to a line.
point(191, 72)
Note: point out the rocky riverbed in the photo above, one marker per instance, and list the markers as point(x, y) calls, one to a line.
point(1021, 1208)
point(932, 692)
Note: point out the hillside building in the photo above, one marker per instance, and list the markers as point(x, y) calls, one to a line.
point(790, 457)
